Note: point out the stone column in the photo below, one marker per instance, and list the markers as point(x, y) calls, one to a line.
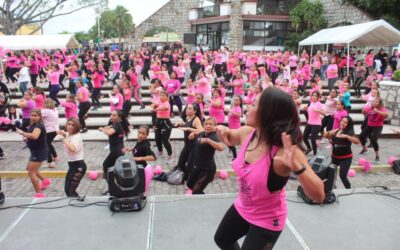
point(236, 26)
point(390, 94)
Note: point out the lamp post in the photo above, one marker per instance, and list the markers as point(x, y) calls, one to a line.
point(98, 12)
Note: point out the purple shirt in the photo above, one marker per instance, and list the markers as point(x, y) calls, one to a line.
point(26, 112)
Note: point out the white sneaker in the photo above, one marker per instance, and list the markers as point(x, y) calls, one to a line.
point(158, 154)
point(170, 160)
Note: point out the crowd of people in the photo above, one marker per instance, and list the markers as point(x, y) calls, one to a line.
point(198, 83)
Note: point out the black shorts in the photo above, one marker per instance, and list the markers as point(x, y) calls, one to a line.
point(38, 155)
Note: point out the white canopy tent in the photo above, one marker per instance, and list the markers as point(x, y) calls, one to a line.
point(375, 33)
point(26, 42)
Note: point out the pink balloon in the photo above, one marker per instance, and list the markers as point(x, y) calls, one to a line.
point(158, 170)
point(93, 175)
point(392, 159)
point(149, 174)
point(367, 166)
point(361, 161)
point(223, 174)
point(188, 192)
point(351, 173)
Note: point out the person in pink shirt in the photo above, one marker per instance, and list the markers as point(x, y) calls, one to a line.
point(38, 97)
point(238, 85)
point(180, 71)
point(54, 82)
point(82, 96)
point(292, 61)
point(330, 110)
point(173, 88)
point(216, 107)
point(332, 72)
point(376, 117)
point(116, 98)
point(116, 66)
point(369, 61)
point(317, 63)
point(98, 77)
point(127, 95)
point(235, 113)
point(52, 125)
point(11, 68)
point(285, 86)
point(293, 82)
point(203, 86)
point(200, 102)
point(33, 70)
point(314, 122)
point(339, 114)
point(70, 107)
point(374, 76)
point(218, 62)
point(266, 158)
point(190, 91)
point(164, 127)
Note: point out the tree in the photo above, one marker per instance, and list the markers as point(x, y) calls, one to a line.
point(15, 14)
point(306, 17)
point(158, 30)
point(114, 23)
point(385, 9)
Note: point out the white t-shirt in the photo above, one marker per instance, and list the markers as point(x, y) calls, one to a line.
point(24, 75)
point(76, 140)
point(378, 65)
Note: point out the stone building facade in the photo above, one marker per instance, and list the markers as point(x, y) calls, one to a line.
point(247, 24)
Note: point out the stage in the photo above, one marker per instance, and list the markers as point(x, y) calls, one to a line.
point(358, 221)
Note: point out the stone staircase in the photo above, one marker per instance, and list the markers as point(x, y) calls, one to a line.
point(100, 117)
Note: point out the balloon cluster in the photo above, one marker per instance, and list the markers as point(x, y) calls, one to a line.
point(365, 164)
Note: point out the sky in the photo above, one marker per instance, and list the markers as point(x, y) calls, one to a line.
point(83, 20)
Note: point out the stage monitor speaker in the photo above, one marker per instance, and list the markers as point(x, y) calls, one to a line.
point(326, 171)
point(189, 38)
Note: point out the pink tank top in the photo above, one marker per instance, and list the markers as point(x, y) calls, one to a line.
point(85, 94)
point(164, 114)
point(217, 112)
point(255, 203)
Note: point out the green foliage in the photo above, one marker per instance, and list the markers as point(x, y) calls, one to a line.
point(158, 30)
point(83, 36)
point(293, 39)
point(396, 75)
point(114, 23)
point(308, 15)
point(386, 9)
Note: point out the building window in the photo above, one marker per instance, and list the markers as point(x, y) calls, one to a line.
point(275, 7)
point(213, 35)
point(265, 33)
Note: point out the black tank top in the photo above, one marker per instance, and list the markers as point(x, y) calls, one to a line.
point(340, 146)
point(188, 124)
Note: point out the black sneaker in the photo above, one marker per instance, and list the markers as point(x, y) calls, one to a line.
point(2, 197)
point(377, 158)
point(84, 130)
point(363, 151)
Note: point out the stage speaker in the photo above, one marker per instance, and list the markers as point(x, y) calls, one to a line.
point(189, 38)
point(326, 171)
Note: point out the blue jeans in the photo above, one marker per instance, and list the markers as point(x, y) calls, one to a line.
point(23, 87)
point(54, 89)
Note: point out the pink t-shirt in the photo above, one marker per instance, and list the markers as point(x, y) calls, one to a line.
point(255, 203)
point(39, 101)
point(71, 109)
point(117, 105)
point(54, 77)
point(338, 117)
point(238, 90)
point(332, 71)
point(127, 94)
point(116, 66)
point(234, 121)
point(375, 119)
point(85, 94)
point(293, 61)
point(314, 117)
point(191, 98)
point(203, 86)
point(172, 85)
point(165, 114)
point(217, 111)
point(97, 78)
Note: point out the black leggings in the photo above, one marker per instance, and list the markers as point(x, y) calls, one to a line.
point(199, 179)
point(163, 132)
point(83, 109)
point(313, 130)
point(233, 227)
point(76, 171)
point(52, 153)
point(234, 153)
point(126, 108)
point(357, 85)
point(110, 161)
point(344, 165)
point(177, 100)
point(184, 159)
point(373, 133)
point(327, 122)
point(95, 97)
